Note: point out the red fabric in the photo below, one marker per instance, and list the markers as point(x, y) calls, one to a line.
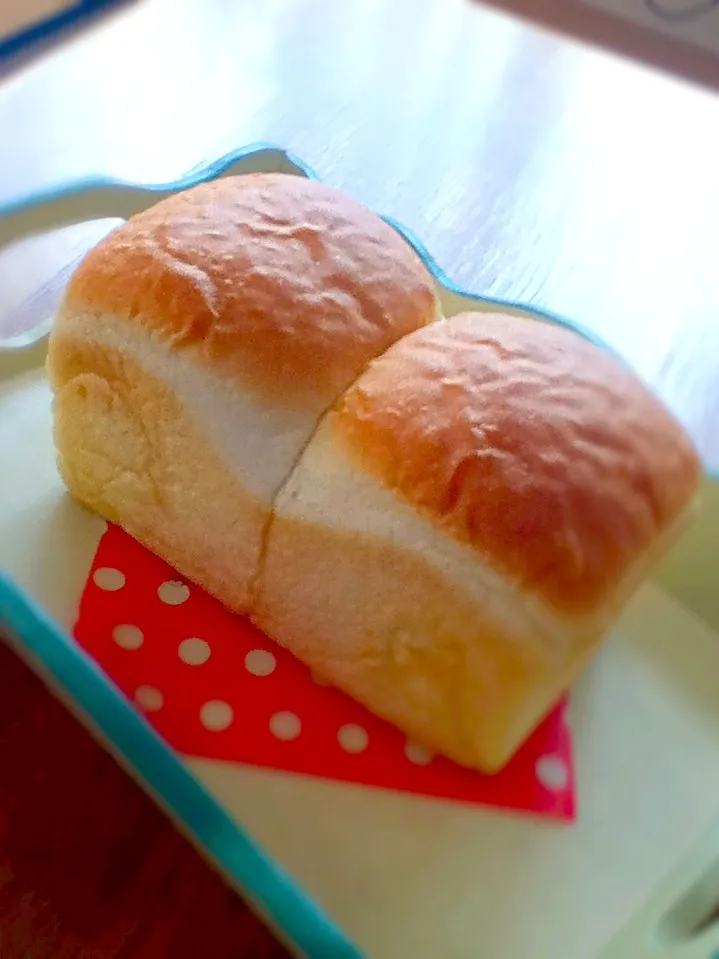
point(178, 692)
point(89, 867)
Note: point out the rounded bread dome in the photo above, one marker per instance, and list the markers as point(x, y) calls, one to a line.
point(283, 283)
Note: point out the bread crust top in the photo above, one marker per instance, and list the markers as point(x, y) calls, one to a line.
point(527, 442)
point(284, 284)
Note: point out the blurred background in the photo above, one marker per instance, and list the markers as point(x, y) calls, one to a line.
point(532, 166)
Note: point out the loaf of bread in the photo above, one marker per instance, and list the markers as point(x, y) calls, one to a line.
point(199, 344)
point(466, 524)
point(441, 517)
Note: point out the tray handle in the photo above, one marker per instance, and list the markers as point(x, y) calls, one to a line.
point(681, 921)
point(102, 198)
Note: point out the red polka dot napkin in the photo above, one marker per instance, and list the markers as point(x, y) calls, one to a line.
point(214, 687)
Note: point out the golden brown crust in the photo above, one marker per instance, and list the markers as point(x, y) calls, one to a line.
point(284, 283)
point(527, 442)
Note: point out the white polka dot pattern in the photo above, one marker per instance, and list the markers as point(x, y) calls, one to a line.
point(260, 662)
point(149, 698)
point(174, 593)
point(552, 772)
point(108, 578)
point(285, 726)
point(128, 636)
point(216, 715)
point(194, 651)
point(418, 754)
point(215, 687)
point(353, 738)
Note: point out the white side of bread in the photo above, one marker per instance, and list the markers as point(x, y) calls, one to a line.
point(257, 442)
point(345, 591)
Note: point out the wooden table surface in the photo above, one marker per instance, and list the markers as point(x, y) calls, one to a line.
point(533, 169)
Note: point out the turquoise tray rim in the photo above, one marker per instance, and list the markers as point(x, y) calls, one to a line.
point(64, 666)
point(213, 169)
point(216, 168)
